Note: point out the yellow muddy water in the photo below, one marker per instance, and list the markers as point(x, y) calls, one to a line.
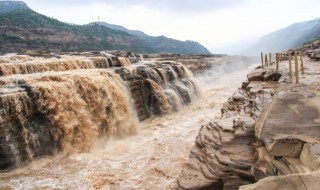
point(151, 159)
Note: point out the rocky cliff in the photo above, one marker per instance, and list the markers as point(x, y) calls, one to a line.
point(53, 103)
point(267, 128)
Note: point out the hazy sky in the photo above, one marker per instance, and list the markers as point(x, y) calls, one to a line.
point(223, 26)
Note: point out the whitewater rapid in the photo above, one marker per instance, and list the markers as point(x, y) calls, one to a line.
point(151, 159)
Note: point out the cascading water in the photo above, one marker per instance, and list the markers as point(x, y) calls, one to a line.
point(67, 111)
point(71, 109)
point(43, 65)
point(152, 159)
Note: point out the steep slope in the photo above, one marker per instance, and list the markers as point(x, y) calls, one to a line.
point(7, 6)
point(292, 36)
point(25, 29)
point(163, 44)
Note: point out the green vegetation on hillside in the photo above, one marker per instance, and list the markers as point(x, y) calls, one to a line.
point(291, 37)
point(26, 29)
point(163, 44)
point(7, 6)
point(312, 40)
point(21, 28)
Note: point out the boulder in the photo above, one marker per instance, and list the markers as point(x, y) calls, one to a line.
point(264, 74)
point(289, 121)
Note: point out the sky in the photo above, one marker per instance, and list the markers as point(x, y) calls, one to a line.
point(223, 26)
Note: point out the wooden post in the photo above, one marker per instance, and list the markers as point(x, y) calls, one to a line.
point(266, 60)
point(261, 59)
point(290, 66)
point(277, 61)
point(302, 68)
point(270, 61)
point(296, 67)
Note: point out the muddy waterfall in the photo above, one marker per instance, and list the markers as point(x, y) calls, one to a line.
point(67, 103)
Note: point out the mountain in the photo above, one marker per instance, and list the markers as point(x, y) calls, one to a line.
point(293, 36)
point(163, 44)
point(25, 29)
point(7, 6)
point(137, 33)
point(21, 28)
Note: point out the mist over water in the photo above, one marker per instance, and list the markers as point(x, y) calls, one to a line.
point(217, 74)
point(151, 159)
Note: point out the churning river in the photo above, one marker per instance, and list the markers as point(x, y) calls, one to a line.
point(151, 159)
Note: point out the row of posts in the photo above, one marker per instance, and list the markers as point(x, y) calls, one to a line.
point(266, 63)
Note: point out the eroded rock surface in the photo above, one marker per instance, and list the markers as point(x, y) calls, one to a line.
point(224, 152)
point(285, 118)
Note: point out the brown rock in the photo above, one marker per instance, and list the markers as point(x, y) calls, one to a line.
point(307, 181)
point(310, 156)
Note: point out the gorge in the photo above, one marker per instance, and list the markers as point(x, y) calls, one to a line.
point(85, 104)
point(91, 118)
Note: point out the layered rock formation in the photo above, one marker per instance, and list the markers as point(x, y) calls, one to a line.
point(224, 152)
point(265, 130)
point(68, 102)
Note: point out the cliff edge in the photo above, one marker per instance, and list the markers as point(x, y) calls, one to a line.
point(268, 127)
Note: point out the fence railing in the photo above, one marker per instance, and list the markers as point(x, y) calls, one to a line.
point(265, 62)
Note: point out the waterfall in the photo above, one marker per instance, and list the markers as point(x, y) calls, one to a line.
point(67, 104)
point(124, 61)
point(68, 111)
point(55, 64)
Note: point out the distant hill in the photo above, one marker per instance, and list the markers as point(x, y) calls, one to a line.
point(25, 29)
point(293, 36)
point(7, 6)
point(22, 28)
point(163, 44)
point(137, 33)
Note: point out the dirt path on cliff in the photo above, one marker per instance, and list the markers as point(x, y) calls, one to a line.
point(152, 159)
point(311, 74)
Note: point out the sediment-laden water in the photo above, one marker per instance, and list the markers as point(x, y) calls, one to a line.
point(150, 159)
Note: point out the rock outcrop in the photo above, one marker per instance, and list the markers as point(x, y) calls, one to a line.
point(266, 129)
point(224, 152)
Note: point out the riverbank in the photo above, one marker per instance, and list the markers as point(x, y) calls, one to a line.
point(150, 159)
point(269, 127)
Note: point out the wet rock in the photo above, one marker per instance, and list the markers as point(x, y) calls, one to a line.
point(244, 84)
point(158, 83)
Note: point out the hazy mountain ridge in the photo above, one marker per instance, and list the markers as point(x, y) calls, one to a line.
point(25, 29)
point(22, 28)
point(293, 36)
point(7, 6)
point(163, 44)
